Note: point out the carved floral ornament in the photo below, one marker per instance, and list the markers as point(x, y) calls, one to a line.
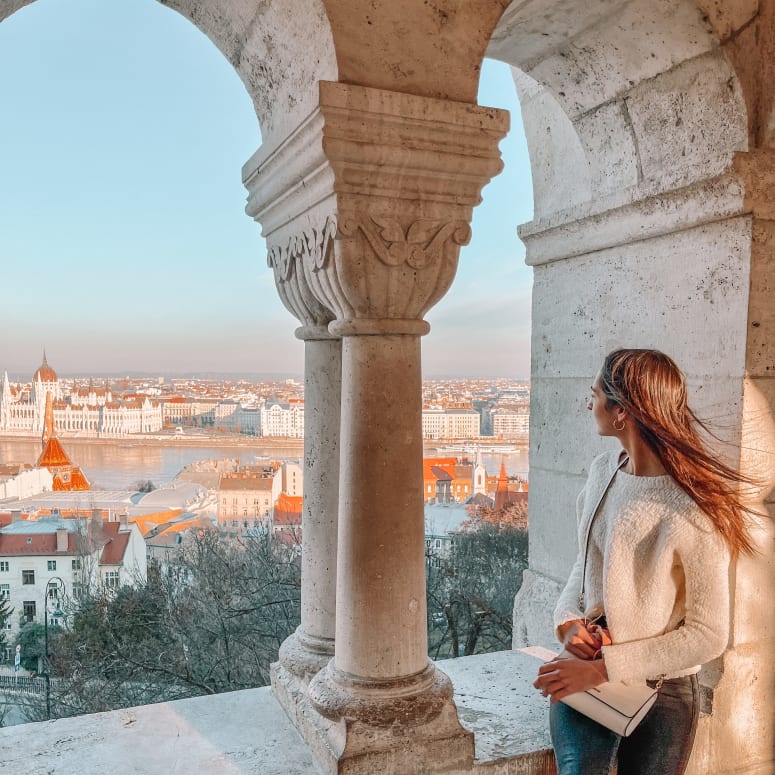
point(419, 245)
point(314, 245)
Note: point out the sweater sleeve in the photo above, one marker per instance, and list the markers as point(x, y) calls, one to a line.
point(567, 607)
point(705, 630)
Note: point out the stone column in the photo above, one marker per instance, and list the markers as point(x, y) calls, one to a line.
point(269, 175)
point(407, 173)
point(365, 207)
point(312, 645)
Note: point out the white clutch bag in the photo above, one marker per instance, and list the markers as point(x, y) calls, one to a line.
point(617, 706)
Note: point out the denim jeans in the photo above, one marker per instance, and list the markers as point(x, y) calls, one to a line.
point(660, 745)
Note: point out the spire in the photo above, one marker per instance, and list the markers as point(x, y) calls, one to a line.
point(48, 422)
point(502, 488)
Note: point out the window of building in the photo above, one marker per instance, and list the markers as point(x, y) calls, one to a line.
point(4, 566)
point(28, 577)
point(77, 564)
point(29, 609)
point(52, 564)
point(5, 591)
point(77, 591)
point(111, 579)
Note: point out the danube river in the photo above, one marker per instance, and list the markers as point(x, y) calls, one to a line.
point(119, 465)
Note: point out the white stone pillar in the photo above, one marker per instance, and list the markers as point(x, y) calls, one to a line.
point(365, 207)
point(286, 187)
point(312, 645)
point(381, 572)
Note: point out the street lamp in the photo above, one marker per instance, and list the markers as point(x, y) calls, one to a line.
point(55, 584)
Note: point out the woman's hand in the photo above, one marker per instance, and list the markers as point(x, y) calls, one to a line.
point(561, 677)
point(580, 640)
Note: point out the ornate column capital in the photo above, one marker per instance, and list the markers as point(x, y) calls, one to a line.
point(370, 200)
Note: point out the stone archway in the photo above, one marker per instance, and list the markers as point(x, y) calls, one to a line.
point(651, 228)
point(279, 53)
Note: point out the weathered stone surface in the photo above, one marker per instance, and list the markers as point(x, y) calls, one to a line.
point(432, 49)
point(726, 17)
point(689, 122)
point(537, 596)
point(234, 734)
point(560, 170)
point(616, 51)
point(540, 27)
point(246, 732)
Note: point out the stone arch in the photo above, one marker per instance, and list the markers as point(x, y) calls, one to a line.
point(649, 126)
point(635, 97)
point(279, 50)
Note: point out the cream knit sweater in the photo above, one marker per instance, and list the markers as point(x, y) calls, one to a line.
point(659, 570)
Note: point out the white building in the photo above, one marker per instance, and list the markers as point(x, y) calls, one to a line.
point(59, 559)
point(24, 482)
point(283, 419)
point(89, 412)
point(506, 422)
point(438, 423)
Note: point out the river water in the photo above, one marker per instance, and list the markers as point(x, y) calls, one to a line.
point(120, 465)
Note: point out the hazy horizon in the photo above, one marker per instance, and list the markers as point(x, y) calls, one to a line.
point(123, 238)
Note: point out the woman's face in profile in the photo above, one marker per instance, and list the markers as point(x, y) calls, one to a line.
point(603, 416)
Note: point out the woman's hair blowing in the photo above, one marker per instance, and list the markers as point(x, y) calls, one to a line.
point(652, 390)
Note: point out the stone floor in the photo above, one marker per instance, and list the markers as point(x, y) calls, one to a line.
point(247, 732)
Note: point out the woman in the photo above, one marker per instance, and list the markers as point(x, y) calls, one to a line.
point(664, 517)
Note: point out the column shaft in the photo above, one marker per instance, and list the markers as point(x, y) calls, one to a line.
point(322, 388)
point(381, 629)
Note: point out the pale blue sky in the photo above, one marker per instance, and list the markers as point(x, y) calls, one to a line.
point(123, 240)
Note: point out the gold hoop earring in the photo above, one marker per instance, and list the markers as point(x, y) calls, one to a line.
point(616, 427)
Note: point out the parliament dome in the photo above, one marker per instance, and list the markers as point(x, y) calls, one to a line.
point(45, 373)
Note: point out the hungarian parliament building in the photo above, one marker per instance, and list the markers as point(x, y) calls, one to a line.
point(85, 411)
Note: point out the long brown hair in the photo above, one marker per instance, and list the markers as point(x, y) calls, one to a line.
point(652, 390)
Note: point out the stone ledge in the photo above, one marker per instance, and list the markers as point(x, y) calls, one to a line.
point(509, 718)
point(247, 732)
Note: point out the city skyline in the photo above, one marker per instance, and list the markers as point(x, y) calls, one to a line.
point(122, 231)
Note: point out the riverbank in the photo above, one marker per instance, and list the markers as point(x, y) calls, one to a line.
point(171, 440)
point(443, 448)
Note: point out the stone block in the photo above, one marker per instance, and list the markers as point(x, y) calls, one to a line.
point(689, 121)
point(622, 50)
point(636, 296)
point(533, 607)
point(760, 361)
point(608, 141)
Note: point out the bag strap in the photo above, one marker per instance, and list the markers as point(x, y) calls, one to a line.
point(623, 458)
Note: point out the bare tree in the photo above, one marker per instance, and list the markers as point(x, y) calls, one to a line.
point(471, 592)
point(210, 620)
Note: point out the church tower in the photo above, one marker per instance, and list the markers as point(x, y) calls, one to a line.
point(502, 489)
point(479, 485)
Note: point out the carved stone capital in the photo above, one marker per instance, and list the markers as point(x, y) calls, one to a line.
point(312, 247)
point(401, 175)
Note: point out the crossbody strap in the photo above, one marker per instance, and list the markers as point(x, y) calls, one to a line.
point(622, 462)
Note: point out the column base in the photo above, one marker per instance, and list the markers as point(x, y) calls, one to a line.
point(304, 655)
point(350, 746)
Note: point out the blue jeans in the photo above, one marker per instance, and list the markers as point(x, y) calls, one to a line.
point(660, 745)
